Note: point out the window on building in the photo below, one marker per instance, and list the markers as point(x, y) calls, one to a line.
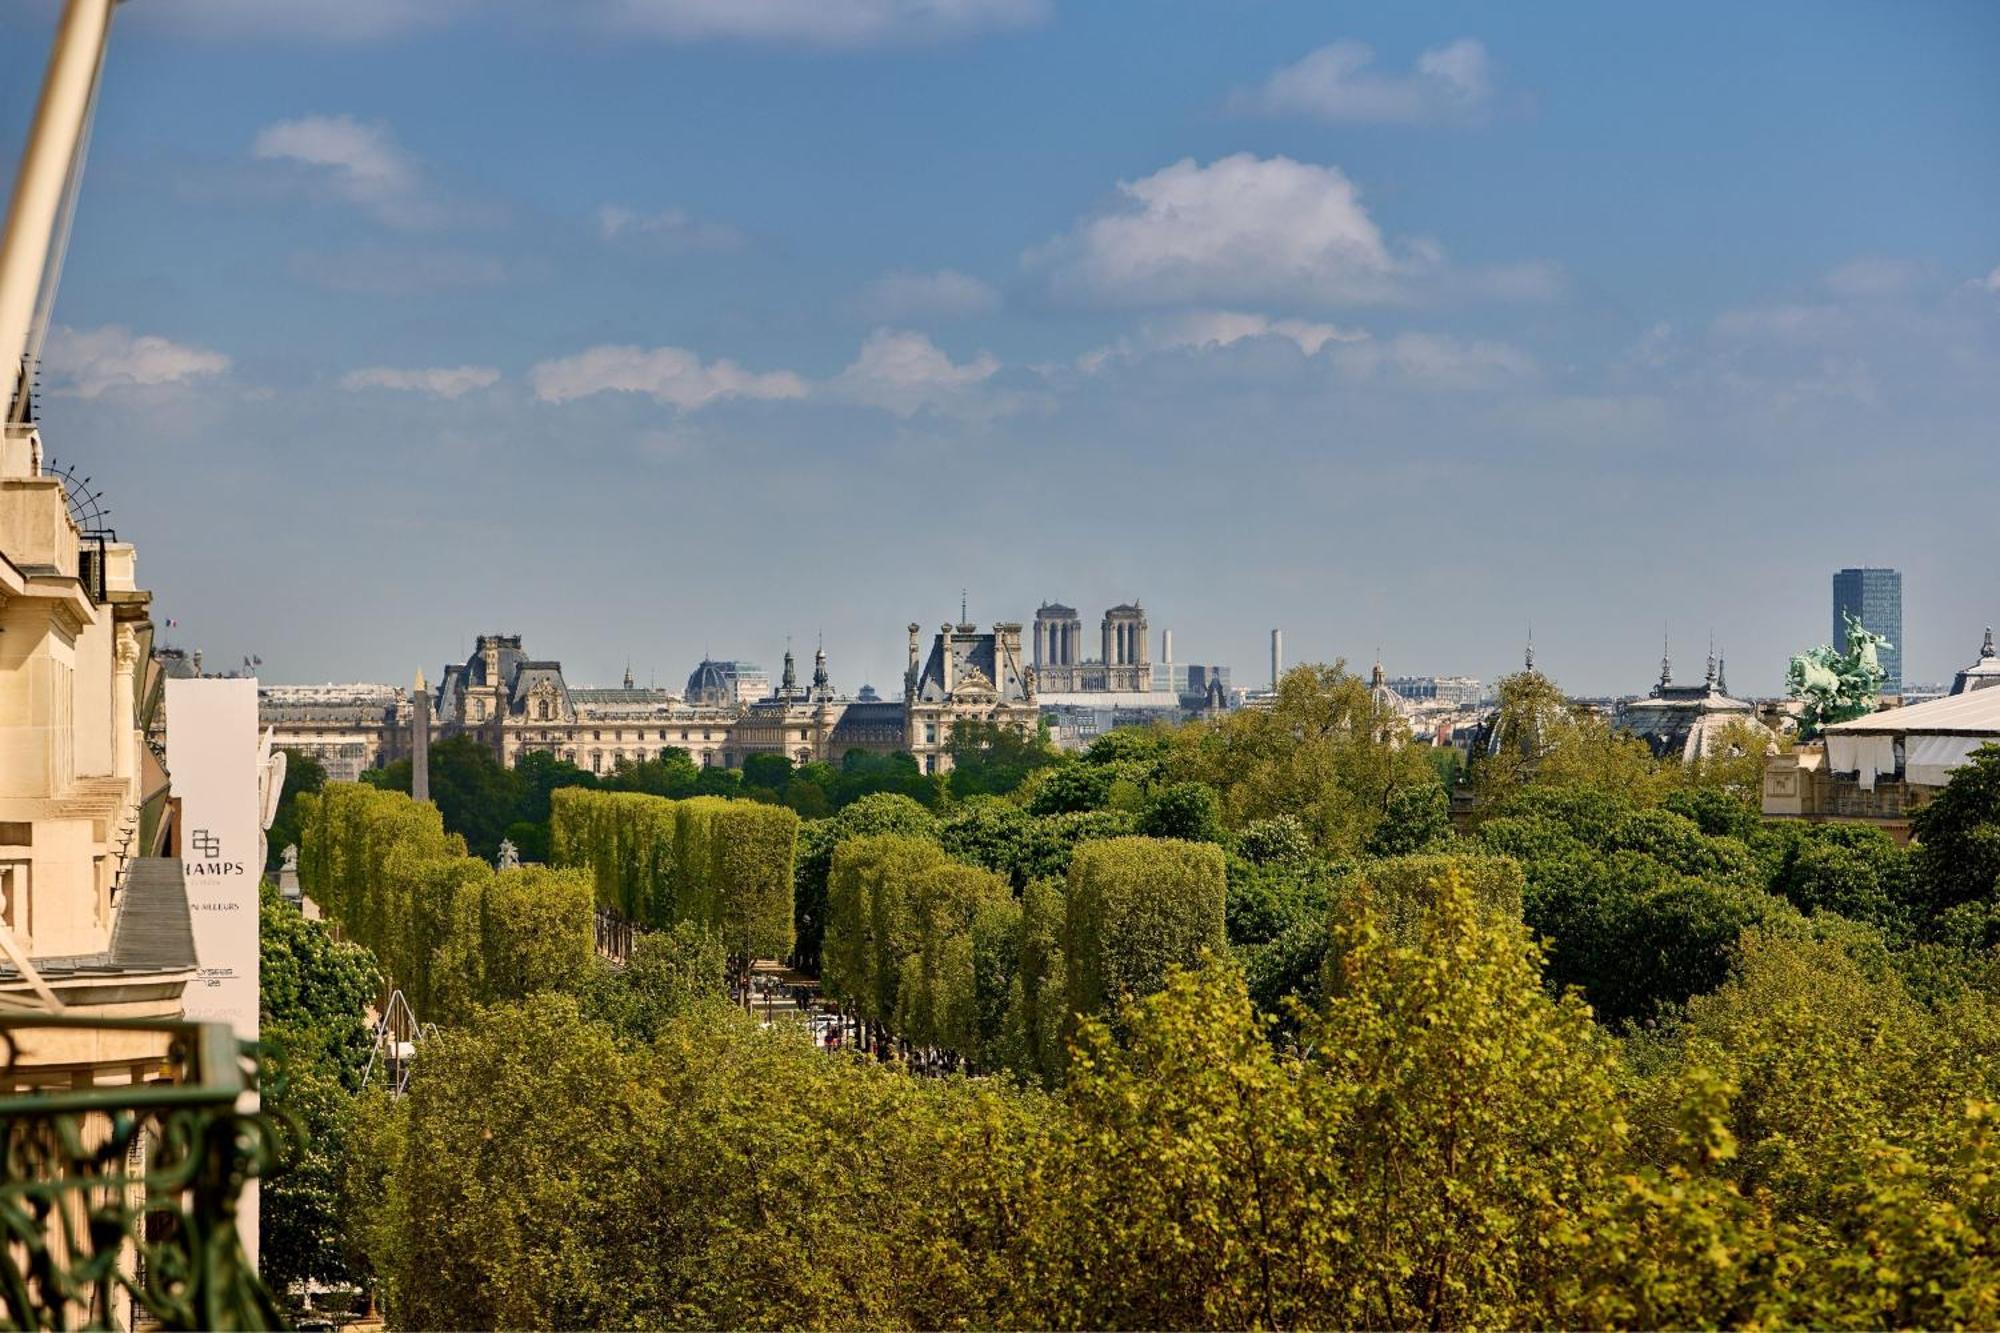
point(930, 733)
point(14, 904)
point(597, 761)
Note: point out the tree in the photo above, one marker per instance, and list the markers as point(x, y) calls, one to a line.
point(880, 812)
point(310, 982)
point(1855, 871)
point(679, 970)
point(871, 926)
point(477, 795)
point(769, 771)
point(1958, 836)
point(990, 759)
point(1327, 753)
point(303, 773)
point(1073, 787)
point(1137, 906)
point(541, 773)
point(1190, 811)
point(314, 996)
point(1385, 1171)
point(1540, 740)
point(1417, 818)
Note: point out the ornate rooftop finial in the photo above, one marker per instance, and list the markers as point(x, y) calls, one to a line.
point(628, 673)
point(1986, 648)
point(790, 680)
point(961, 606)
point(1666, 661)
point(1709, 678)
point(1528, 658)
point(1721, 675)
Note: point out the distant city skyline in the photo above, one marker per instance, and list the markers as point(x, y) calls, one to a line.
point(589, 662)
point(679, 326)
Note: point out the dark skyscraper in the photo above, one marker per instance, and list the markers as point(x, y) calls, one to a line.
point(1875, 597)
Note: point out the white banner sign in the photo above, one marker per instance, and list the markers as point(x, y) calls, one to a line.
point(212, 757)
point(212, 760)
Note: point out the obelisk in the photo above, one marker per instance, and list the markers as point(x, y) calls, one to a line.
point(420, 740)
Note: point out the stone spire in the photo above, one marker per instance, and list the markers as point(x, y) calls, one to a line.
point(1721, 675)
point(1528, 658)
point(1986, 648)
point(1709, 678)
point(1666, 662)
point(628, 674)
point(820, 685)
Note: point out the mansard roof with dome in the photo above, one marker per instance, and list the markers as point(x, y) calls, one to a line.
point(1982, 673)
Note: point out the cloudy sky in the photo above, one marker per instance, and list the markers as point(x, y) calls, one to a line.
point(649, 327)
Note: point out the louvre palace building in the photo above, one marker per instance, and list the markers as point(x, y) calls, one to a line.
point(517, 704)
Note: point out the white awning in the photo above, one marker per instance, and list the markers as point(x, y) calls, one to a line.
point(1929, 760)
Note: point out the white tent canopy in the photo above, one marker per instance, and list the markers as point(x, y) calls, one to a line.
point(1934, 739)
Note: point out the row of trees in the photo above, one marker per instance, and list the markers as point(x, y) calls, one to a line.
point(722, 866)
point(448, 928)
point(943, 955)
point(1439, 1141)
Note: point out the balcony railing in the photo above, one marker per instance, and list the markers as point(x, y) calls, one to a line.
point(119, 1203)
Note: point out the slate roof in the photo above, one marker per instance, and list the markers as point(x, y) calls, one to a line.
point(971, 652)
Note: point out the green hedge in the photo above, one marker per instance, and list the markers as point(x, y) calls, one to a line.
point(1138, 906)
point(921, 943)
point(724, 865)
point(446, 928)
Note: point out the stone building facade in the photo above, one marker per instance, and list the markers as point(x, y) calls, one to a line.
point(968, 676)
point(90, 895)
point(516, 704)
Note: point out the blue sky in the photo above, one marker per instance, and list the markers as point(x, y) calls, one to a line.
point(649, 327)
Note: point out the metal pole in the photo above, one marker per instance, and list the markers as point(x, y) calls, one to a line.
point(45, 166)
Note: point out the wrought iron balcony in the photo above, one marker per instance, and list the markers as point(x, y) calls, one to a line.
point(119, 1201)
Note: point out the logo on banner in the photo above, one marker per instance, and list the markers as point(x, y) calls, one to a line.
point(208, 848)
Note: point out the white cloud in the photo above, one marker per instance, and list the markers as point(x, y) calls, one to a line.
point(1992, 280)
point(1435, 361)
point(1203, 330)
point(362, 164)
point(945, 293)
point(1870, 276)
point(1337, 84)
point(440, 382)
point(89, 362)
point(904, 372)
point(828, 23)
point(673, 375)
point(1242, 229)
point(674, 229)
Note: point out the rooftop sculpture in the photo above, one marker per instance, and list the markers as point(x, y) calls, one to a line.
point(1836, 686)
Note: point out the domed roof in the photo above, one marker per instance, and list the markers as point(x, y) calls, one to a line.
point(1983, 673)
